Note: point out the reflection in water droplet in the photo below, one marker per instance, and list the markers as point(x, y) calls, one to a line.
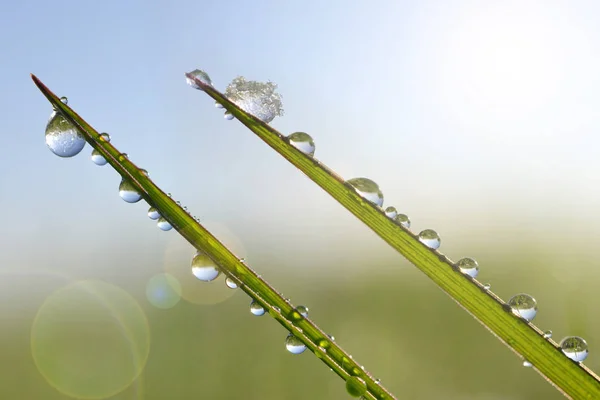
point(97, 158)
point(256, 98)
point(367, 189)
point(128, 192)
point(547, 334)
point(303, 310)
point(402, 220)
point(430, 238)
point(64, 100)
point(163, 291)
point(105, 137)
point(391, 212)
point(62, 137)
point(294, 345)
point(204, 268)
point(524, 306)
point(487, 286)
point(527, 364)
point(468, 266)
point(303, 142)
point(356, 386)
point(231, 284)
point(574, 347)
point(153, 213)
point(163, 224)
point(228, 116)
point(256, 308)
point(218, 105)
point(200, 75)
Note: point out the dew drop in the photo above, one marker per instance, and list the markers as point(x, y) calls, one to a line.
point(367, 189)
point(524, 306)
point(122, 157)
point(298, 313)
point(228, 116)
point(62, 137)
point(218, 105)
point(303, 310)
point(356, 386)
point(303, 142)
point(64, 100)
point(104, 137)
point(97, 158)
point(204, 268)
point(403, 220)
point(468, 266)
point(430, 238)
point(199, 75)
point(231, 284)
point(487, 286)
point(256, 308)
point(144, 172)
point(547, 334)
point(574, 347)
point(331, 337)
point(128, 192)
point(163, 224)
point(153, 213)
point(294, 345)
point(391, 212)
point(256, 98)
point(527, 364)
point(324, 344)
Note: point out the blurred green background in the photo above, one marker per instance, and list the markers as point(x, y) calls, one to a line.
point(478, 120)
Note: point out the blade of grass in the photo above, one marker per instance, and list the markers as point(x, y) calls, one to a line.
point(571, 378)
point(251, 283)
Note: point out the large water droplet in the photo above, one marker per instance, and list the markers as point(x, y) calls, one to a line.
point(256, 98)
point(256, 308)
point(231, 284)
point(468, 266)
point(367, 189)
point(62, 137)
point(153, 213)
point(294, 345)
point(303, 142)
point(575, 348)
point(391, 212)
point(163, 224)
point(228, 116)
point(128, 192)
point(356, 386)
point(97, 158)
point(402, 220)
point(200, 75)
point(524, 306)
point(204, 268)
point(430, 238)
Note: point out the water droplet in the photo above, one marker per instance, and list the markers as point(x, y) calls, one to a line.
point(331, 337)
point(228, 116)
point(163, 224)
point(298, 313)
point(199, 75)
point(218, 105)
point(104, 137)
point(256, 308)
point(153, 213)
point(487, 286)
point(231, 284)
point(574, 347)
point(62, 137)
point(294, 345)
point(169, 194)
point(303, 310)
point(391, 212)
point(527, 364)
point(468, 266)
point(524, 306)
point(303, 142)
point(144, 172)
point(324, 344)
point(256, 98)
point(367, 189)
point(355, 386)
point(204, 268)
point(97, 158)
point(378, 381)
point(430, 238)
point(547, 334)
point(128, 192)
point(64, 100)
point(403, 220)
point(122, 157)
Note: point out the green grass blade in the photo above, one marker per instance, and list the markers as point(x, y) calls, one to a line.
point(281, 310)
point(573, 379)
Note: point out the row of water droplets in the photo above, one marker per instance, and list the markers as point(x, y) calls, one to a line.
point(253, 99)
